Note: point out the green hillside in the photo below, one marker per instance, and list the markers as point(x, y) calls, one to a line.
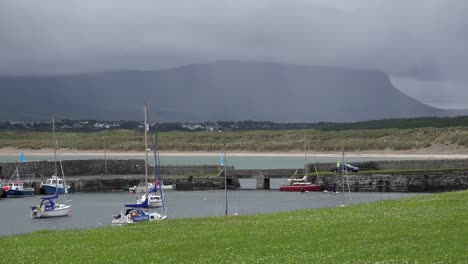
point(260, 140)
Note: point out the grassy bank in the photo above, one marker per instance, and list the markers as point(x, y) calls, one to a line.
point(258, 141)
point(424, 229)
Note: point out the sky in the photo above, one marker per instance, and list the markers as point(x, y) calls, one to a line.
point(421, 44)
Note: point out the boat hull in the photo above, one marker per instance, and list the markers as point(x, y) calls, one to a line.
point(300, 188)
point(155, 201)
point(64, 210)
point(129, 219)
point(19, 193)
point(49, 189)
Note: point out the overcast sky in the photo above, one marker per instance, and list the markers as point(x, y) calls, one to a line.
point(421, 44)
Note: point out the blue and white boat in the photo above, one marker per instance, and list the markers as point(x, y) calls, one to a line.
point(136, 213)
point(54, 183)
point(16, 189)
point(49, 208)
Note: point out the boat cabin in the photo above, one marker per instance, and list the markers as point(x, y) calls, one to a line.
point(53, 181)
point(15, 185)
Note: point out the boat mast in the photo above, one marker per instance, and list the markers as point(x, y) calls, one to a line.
point(54, 144)
point(344, 170)
point(146, 152)
point(157, 165)
point(305, 156)
point(225, 181)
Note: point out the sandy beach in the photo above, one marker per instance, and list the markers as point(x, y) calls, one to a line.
point(417, 154)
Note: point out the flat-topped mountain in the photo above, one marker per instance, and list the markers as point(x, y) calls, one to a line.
point(214, 91)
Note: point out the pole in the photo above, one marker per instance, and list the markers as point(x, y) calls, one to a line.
point(225, 181)
point(343, 171)
point(105, 160)
point(146, 153)
point(305, 156)
point(55, 149)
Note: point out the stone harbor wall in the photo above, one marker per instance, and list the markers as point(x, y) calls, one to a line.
point(110, 183)
point(99, 167)
point(89, 175)
point(399, 182)
point(398, 164)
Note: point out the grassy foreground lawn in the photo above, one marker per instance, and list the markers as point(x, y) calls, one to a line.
point(424, 229)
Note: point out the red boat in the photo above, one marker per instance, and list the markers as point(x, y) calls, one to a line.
point(297, 187)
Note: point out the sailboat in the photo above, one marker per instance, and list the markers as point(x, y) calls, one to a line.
point(140, 188)
point(156, 200)
point(301, 184)
point(48, 207)
point(138, 212)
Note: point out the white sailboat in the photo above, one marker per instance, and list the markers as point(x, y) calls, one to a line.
point(48, 206)
point(141, 188)
point(138, 212)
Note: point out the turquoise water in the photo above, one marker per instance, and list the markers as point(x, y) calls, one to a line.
point(239, 162)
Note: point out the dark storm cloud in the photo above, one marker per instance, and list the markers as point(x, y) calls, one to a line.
point(420, 40)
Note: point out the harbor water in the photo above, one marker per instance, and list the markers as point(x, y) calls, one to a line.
point(94, 210)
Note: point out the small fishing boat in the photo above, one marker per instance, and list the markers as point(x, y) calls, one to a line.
point(53, 183)
point(15, 187)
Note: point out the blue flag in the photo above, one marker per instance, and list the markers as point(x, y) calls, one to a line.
point(21, 158)
point(222, 159)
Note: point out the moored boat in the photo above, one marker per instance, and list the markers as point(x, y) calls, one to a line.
point(139, 212)
point(155, 200)
point(48, 208)
point(301, 184)
point(54, 183)
point(141, 188)
point(15, 187)
point(305, 187)
point(136, 213)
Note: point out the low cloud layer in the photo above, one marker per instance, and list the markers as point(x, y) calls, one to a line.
point(420, 43)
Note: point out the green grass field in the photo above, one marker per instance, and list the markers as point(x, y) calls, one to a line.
point(257, 141)
point(424, 229)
